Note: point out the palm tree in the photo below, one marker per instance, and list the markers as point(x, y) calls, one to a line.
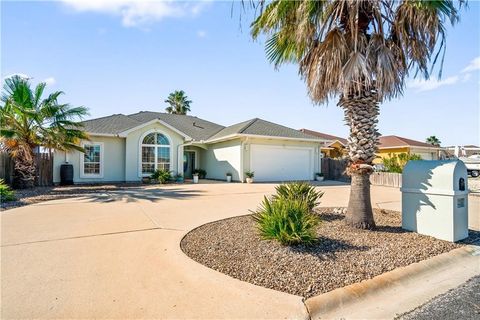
point(179, 103)
point(434, 141)
point(360, 51)
point(28, 122)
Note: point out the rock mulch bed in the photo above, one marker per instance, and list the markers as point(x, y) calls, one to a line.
point(341, 257)
point(39, 194)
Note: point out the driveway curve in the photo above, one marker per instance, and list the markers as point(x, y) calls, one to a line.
point(117, 255)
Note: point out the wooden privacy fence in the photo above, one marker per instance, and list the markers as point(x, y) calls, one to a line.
point(44, 172)
point(387, 179)
point(334, 169)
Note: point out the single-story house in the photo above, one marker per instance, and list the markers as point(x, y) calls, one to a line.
point(395, 145)
point(127, 148)
point(462, 151)
point(334, 147)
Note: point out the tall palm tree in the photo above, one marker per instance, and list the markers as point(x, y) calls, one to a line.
point(28, 121)
point(434, 141)
point(360, 51)
point(179, 103)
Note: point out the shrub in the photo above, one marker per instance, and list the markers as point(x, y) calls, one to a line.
point(302, 191)
point(288, 221)
point(201, 173)
point(162, 176)
point(249, 174)
point(6, 194)
point(396, 163)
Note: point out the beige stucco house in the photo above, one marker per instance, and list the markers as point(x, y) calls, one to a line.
point(126, 148)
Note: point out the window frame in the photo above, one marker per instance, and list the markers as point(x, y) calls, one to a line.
point(155, 146)
point(82, 160)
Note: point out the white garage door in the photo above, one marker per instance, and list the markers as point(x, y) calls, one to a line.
point(278, 163)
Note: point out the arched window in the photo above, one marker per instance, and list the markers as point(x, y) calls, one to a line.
point(155, 153)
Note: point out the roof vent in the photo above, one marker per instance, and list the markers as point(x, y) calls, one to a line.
point(195, 125)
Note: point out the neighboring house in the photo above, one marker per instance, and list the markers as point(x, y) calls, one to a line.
point(395, 145)
point(334, 147)
point(126, 148)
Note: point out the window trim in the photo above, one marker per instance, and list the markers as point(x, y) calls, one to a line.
point(82, 160)
point(140, 145)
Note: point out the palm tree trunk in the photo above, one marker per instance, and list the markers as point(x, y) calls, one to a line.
point(361, 112)
point(24, 169)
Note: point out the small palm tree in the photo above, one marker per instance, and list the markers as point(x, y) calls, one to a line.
point(434, 141)
point(28, 122)
point(360, 51)
point(179, 103)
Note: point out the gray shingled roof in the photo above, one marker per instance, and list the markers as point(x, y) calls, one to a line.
point(262, 128)
point(113, 124)
point(194, 127)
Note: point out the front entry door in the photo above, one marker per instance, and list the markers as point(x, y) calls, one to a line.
point(188, 164)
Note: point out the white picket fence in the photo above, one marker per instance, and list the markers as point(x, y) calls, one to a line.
point(387, 179)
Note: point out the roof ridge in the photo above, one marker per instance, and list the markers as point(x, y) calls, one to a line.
point(245, 127)
point(115, 114)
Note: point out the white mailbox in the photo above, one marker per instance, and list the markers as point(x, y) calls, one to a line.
point(435, 199)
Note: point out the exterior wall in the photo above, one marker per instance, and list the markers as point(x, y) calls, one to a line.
point(286, 143)
point(132, 153)
point(385, 153)
point(221, 158)
point(426, 154)
point(113, 161)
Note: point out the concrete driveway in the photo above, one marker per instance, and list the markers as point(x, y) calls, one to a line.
point(117, 255)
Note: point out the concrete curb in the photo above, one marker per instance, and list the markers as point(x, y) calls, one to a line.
point(344, 302)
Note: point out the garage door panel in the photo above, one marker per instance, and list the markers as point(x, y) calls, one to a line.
point(278, 163)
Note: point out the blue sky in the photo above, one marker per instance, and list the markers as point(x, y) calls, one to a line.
point(123, 56)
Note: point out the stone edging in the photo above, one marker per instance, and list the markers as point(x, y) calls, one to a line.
point(319, 306)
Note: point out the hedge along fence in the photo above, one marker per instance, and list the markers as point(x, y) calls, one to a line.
point(387, 179)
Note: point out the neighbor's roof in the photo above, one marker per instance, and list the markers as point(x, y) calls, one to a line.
point(324, 136)
point(396, 141)
point(261, 127)
point(196, 128)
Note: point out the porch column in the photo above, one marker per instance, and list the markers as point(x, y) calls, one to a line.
point(180, 159)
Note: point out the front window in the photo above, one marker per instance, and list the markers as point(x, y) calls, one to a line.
point(92, 160)
point(155, 153)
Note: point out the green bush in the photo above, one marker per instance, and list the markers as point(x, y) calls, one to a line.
point(302, 191)
point(249, 174)
point(6, 194)
point(396, 163)
point(201, 173)
point(288, 221)
point(162, 176)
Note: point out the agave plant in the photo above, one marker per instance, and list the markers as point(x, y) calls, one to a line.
point(301, 191)
point(361, 52)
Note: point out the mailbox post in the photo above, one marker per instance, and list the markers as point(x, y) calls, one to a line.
point(435, 199)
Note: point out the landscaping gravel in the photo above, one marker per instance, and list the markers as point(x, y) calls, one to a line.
point(342, 255)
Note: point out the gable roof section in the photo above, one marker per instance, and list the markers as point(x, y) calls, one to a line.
point(194, 127)
point(396, 141)
point(324, 136)
point(260, 127)
point(110, 125)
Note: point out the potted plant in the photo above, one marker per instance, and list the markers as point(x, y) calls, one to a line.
point(249, 175)
point(179, 177)
point(195, 177)
point(319, 176)
point(229, 177)
point(201, 173)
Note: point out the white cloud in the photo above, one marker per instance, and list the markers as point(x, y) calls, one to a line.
point(138, 13)
point(432, 83)
point(201, 33)
point(50, 81)
point(473, 65)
